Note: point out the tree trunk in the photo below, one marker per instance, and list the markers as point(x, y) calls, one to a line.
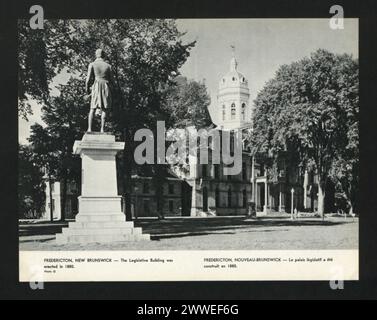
point(348, 194)
point(158, 177)
point(321, 198)
point(63, 196)
point(51, 200)
point(351, 208)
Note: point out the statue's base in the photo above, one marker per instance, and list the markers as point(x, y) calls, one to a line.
point(100, 229)
point(100, 218)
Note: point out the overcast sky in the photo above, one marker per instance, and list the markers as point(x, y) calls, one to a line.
point(261, 46)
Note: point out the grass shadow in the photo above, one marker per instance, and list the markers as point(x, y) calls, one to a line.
point(188, 227)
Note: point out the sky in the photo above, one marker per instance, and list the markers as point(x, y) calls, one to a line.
point(261, 46)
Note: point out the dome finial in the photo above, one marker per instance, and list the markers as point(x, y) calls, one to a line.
point(233, 61)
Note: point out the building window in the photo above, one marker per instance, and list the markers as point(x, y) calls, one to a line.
point(146, 206)
point(145, 187)
point(243, 111)
point(73, 187)
point(68, 206)
point(233, 111)
point(171, 205)
point(53, 205)
point(244, 199)
point(217, 197)
point(311, 178)
point(217, 171)
point(228, 176)
point(229, 197)
point(262, 170)
point(231, 143)
point(223, 112)
point(244, 171)
point(204, 170)
point(171, 188)
point(233, 78)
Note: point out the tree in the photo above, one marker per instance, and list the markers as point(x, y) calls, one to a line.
point(345, 168)
point(187, 103)
point(306, 110)
point(31, 185)
point(45, 156)
point(42, 54)
point(345, 174)
point(65, 120)
point(184, 104)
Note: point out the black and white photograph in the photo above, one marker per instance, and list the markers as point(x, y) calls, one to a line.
point(155, 143)
point(188, 156)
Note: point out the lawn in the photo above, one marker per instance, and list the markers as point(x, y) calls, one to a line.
point(214, 233)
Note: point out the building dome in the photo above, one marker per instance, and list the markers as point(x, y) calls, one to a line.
point(233, 78)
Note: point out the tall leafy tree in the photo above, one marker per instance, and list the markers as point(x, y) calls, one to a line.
point(187, 103)
point(306, 111)
point(42, 54)
point(66, 121)
point(345, 168)
point(31, 184)
point(45, 156)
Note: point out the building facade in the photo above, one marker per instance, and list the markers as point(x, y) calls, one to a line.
point(71, 203)
point(214, 193)
point(143, 197)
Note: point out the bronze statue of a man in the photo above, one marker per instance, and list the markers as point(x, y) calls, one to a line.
point(100, 75)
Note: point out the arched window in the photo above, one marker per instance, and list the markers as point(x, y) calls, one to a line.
point(233, 111)
point(243, 111)
point(229, 197)
point(223, 112)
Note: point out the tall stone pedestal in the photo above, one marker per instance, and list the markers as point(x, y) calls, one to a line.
point(100, 218)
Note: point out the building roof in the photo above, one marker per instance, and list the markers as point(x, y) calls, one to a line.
point(233, 78)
